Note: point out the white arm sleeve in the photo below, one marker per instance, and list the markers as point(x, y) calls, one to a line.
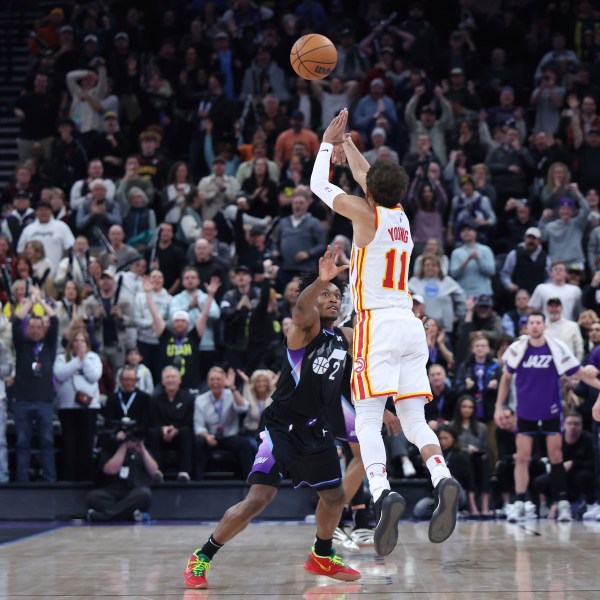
point(319, 180)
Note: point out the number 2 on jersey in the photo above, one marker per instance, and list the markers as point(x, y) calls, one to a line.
point(388, 281)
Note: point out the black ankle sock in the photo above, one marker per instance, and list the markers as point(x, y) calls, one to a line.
point(211, 547)
point(361, 518)
point(323, 547)
point(520, 497)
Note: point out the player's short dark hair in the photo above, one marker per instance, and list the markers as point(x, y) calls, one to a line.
point(537, 313)
point(387, 182)
point(307, 278)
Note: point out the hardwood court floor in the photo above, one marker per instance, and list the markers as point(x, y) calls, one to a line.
point(481, 561)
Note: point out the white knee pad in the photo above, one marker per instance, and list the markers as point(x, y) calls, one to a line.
point(411, 413)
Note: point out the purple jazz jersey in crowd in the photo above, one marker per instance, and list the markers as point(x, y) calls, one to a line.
point(537, 385)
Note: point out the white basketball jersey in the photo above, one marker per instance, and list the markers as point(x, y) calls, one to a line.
point(379, 271)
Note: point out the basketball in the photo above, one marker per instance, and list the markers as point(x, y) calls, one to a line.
point(313, 56)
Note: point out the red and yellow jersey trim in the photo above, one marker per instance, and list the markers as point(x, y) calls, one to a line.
point(428, 396)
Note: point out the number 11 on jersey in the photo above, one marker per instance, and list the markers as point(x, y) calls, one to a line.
point(388, 282)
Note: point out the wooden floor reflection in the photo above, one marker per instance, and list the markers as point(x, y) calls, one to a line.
point(484, 560)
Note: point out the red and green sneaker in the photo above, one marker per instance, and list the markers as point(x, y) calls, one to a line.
point(196, 571)
point(330, 566)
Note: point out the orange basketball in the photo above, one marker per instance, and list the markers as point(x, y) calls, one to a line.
point(313, 56)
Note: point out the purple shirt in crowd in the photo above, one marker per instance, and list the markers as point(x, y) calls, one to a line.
point(537, 385)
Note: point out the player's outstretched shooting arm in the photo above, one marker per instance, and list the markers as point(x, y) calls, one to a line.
point(357, 209)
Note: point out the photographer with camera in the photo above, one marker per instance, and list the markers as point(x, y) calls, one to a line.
point(128, 401)
point(128, 470)
point(32, 391)
point(77, 372)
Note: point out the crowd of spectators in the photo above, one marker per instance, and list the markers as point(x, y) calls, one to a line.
point(159, 213)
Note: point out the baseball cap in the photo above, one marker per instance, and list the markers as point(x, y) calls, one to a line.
point(457, 71)
point(221, 35)
point(297, 115)
point(181, 315)
point(594, 130)
point(110, 115)
point(347, 31)
point(418, 299)
point(574, 268)
point(566, 201)
point(43, 204)
point(428, 109)
point(121, 36)
point(378, 131)
point(523, 320)
point(22, 195)
point(257, 230)
point(467, 223)
point(90, 38)
point(484, 300)
point(107, 273)
point(554, 300)
point(377, 81)
point(535, 232)
point(220, 159)
point(465, 179)
point(66, 29)
point(242, 269)
point(387, 49)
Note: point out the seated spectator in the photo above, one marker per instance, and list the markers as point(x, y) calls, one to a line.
point(171, 423)
point(132, 178)
point(565, 330)
point(74, 267)
point(516, 225)
point(261, 191)
point(512, 319)
point(202, 257)
point(578, 452)
point(133, 362)
point(473, 440)
point(128, 470)
point(468, 144)
point(32, 391)
point(179, 345)
point(421, 157)
point(479, 317)
point(109, 315)
point(153, 164)
point(257, 392)
point(444, 297)
point(128, 401)
point(219, 189)
point(40, 266)
point(251, 245)
point(564, 234)
point(570, 295)
point(77, 372)
point(189, 227)
point(439, 353)
point(472, 265)
point(166, 256)
point(378, 139)
point(427, 202)
point(296, 133)
point(19, 293)
point(505, 111)
point(589, 324)
point(546, 100)
point(289, 299)
point(456, 460)
point(217, 422)
point(20, 217)
point(6, 367)
point(440, 410)
point(259, 150)
point(111, 146)
point(527, 265)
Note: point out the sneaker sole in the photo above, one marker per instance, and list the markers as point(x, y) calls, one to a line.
point(445, 515)
point(198, 586)
point(385, 536)
point(338, 576)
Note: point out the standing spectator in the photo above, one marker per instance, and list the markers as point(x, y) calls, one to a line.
point(257, 392)
point(566, 331)
point(445, 299)
point(172, 422)
point(82, 189)
point(333, 95)
point(133, 361)
point(265, 76)
point(527, 265)
point(16, 221)
point(472, 264)
point(428, 123)
point(123, 255)
point(564, 235)
point(547, 99)
point(479, 317)
point(179, 346)
point(111, 146)
point(167, 257)
point(132, 178)
point(147, 339)
point(110, 315)
point(300, 241)
point(508, 165)
point(219, 189)
point(69, 312)
point(175, 193)
point(217, 422)
point(296, 133)
point(372, 106)
point(559, 52)
point(74, 267)
point(69, 157)
point(513, 319)
point(428, 201)
point(35, 351)
point(441, 408)
point(22, 183)
point(97, 212)
point(37, 112)
point(77, 372)
point(55, 236)
point(570, 295)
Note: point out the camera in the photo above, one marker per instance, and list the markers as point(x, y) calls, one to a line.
point(130, 429)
